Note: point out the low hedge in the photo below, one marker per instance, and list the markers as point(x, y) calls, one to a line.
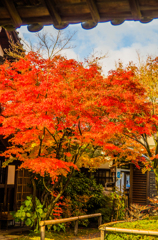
point(150, 224)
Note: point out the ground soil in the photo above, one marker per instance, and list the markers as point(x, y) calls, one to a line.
point(23, 233)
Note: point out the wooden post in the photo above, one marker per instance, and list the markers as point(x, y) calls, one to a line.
point(76, 228)
point(15, 189)
point(5, 191)
point(42, 232)
point(99, 221)
point(102, 235)
point(131, 185)
point(147, 187)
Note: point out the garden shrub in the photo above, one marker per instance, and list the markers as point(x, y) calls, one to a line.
point(85, 196)
point(137, 211)
point(149, 224)
point(118, 202)
point(32, 217)
point(27, 215)
point(125, 236)
point(153, 211)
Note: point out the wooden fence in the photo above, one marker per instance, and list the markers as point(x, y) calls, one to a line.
point(105, 229)
point(76, 219)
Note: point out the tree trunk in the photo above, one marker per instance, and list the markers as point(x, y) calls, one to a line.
point(34, 192)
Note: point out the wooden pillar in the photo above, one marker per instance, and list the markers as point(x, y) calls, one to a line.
point(147, 187)
point(102, 235)
point(15, 189)
point(131, 185)
point(76, 228)
point(5, 191)
point(42, 232)
point(99, 221)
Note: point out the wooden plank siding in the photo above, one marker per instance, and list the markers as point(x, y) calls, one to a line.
point(142, 186)
point(139, 187)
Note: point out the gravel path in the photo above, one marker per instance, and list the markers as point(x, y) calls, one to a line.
point(93, 236)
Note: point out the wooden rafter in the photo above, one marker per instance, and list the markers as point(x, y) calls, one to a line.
point(94, 10)
point(61, 13)
point(135, 9)
point(13, 13)
point(53, 12)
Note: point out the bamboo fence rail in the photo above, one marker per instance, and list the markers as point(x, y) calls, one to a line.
point(105, 228)
point(76, 219)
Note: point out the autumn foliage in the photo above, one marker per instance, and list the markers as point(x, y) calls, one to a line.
point(57, 113)
point(55, 110)
point(49, 112)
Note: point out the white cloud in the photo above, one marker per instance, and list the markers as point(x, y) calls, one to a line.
point(70, 54)
point(120, 42)
point(127, 54)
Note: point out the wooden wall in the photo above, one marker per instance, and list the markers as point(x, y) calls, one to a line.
point(142, 186)
point(22, 187)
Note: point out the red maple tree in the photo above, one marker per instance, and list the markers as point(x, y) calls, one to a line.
point(52, 113)
point(56, 113)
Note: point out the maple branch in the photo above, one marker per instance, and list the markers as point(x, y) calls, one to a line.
point(43, 195)
point(52, 205)
point(41, 140)
point(52, 135)
point(54, 185)
point(59, 146)
point(95, 148)
point(79, 128)
point(68, 180)
point(46, 186)
point(134, 138)
point(144, 136)
point(60, 194)
point(34, 192)
point(45, 198)
point(84, 149)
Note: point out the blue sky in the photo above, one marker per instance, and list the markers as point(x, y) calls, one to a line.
point(122, 42)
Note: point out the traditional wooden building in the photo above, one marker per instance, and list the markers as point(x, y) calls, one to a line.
point(13, 183)
point(61, 13)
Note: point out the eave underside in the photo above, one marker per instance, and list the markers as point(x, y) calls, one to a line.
point(60, 13)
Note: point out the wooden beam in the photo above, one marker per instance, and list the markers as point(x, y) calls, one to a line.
point(13, 13)
point(94, 10)
point(53, 12)
point(135, 9)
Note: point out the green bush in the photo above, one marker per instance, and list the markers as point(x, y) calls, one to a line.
point(87, 197)
point(106, 213)
point(27, 215)
point(121, 236)
point(82, 196)
point(32, 217)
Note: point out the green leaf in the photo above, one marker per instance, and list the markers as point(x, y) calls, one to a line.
point(28, 222)
point(39, 210)
point(23, 214)
point(27, 202)
point(28, 214)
